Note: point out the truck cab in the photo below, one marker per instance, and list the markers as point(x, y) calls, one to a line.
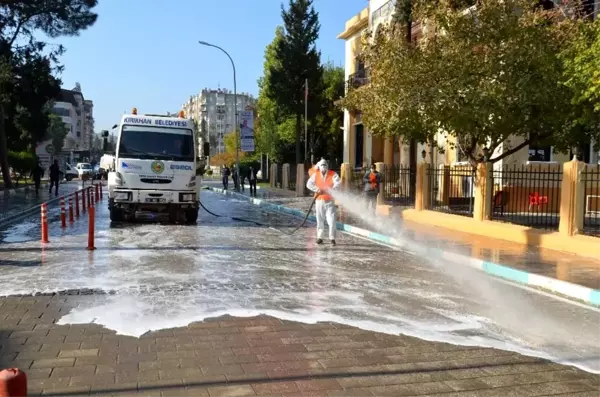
point(155, 169)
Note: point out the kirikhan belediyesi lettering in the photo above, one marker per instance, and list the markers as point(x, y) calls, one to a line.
point(163, 123)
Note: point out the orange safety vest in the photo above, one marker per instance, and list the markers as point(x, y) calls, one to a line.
point(373, 180)
point(324, 183)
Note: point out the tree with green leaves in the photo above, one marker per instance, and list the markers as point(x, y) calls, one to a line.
point(297, 59)
point(489, 74)
point(327, 141)
point(267, 138)
point(28, 117)
point(582, 70)
point(57, 131)
point(21, 21)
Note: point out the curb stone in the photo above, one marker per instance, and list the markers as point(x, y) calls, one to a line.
point(585, 294)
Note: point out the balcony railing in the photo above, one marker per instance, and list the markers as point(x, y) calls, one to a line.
point(357, 79)
point(383, 12)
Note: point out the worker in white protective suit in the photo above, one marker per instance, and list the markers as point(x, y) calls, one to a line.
point(322, 182)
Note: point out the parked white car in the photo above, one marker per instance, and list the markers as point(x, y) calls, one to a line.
point(70, 172)
point(84, 169)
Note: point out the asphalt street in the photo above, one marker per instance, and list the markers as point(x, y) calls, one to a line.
point(151, 276)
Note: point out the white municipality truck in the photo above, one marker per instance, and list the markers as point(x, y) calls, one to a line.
point(156, 169)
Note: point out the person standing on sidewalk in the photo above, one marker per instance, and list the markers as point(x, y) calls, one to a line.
point(372, 180)
point(322, 182)
point(226, 171)
point(252, 181)
point(37, 173)
point(54, 177)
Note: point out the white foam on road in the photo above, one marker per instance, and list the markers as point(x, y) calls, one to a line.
point(134, 317)
point(169, 276)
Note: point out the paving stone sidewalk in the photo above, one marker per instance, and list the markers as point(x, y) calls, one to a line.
point(260, 356)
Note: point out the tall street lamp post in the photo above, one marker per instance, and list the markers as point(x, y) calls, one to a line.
point(237, 138)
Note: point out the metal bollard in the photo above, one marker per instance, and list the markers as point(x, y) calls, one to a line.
point(44, 223)
point(77, 204)
point(97, 193)
point(71, 220)
point(83, 203)
point(91, 220)
point(63, 213)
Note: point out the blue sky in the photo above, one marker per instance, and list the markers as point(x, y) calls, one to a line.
point(144, 53)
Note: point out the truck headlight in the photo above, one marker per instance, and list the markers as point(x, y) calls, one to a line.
point(187, 197)
point(192, 182)
point(122, 196)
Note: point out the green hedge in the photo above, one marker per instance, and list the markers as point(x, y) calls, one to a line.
point(22, 164)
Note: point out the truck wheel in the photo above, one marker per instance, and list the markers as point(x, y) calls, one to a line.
point(116, 215)
point(191, 216)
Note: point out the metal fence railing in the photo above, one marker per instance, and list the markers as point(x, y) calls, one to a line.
point(527, 196)
point(292, 180)
point(279, 180)
point(590, 178)
point(398, 185)
point(452, 189)
point(356, 183)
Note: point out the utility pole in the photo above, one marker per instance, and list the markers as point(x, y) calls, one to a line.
point(305, 120)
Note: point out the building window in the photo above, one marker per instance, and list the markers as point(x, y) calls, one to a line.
point(540, 153)
point(61, 112)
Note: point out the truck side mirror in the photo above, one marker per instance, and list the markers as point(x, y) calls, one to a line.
point(206, 149)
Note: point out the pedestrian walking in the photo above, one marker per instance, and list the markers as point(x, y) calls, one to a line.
point(323, 182)
point(36, 174)
point(226, 172)
point(372, 181)
point(252, 181)
point(243, 172)
point(236, 178)
point(54, 177)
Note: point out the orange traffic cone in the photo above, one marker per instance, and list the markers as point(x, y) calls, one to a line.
point(13, 383)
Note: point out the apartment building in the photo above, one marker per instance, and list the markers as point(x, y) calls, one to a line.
point(88, 123)
point(214, 112)
point(361, 147)
point(77, 114)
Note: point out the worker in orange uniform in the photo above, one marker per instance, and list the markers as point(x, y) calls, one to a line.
point(372, 181)
point(322, 182)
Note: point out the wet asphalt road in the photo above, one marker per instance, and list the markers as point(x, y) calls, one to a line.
point(25, 199)
point(151, 276)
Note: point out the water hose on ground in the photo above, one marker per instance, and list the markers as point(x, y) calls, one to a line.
point(235, 218)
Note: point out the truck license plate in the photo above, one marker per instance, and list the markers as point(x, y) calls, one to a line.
point(155, 200)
